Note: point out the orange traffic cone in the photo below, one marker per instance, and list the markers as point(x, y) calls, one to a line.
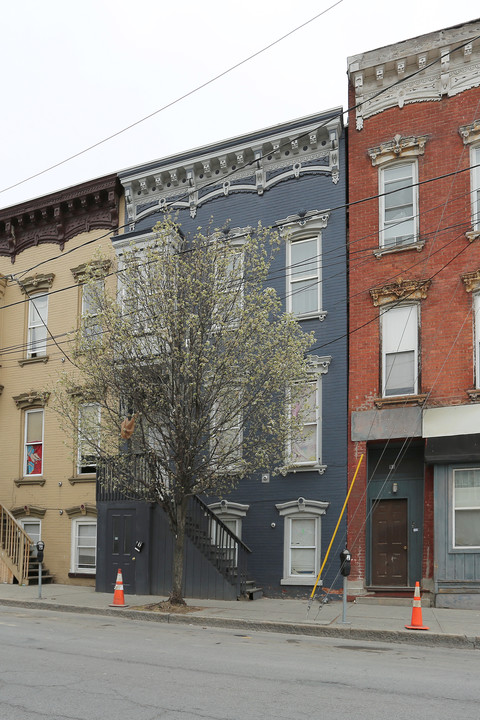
point(417, 622)
point(118, 597)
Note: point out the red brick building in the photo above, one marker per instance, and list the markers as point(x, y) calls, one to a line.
point(414, 234)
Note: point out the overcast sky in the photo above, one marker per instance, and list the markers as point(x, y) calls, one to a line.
point(75, 72)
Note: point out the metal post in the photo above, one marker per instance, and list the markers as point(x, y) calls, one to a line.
point(343, 621)
point(39, 579)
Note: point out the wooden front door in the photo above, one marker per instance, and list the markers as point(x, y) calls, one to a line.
point(389, 543)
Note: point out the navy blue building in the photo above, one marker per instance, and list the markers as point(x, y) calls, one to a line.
point(291, 177)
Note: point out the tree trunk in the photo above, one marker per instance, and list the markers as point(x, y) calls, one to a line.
point(176, 595)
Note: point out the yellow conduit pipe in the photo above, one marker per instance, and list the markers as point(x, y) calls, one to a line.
point(338, 523)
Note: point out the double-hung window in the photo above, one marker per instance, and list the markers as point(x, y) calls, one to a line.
point(305, 452)
point(33, 445)
point(91, 324)
point(399, 327)
point(226, 430)
point(304, 276)
point(302, 540)
point(88, 438)
point(475, 158)
point(466, 508)
point(84, 546)
point(37, 325)
point(398, 204)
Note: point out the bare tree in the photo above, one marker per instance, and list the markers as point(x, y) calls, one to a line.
point(193, 364)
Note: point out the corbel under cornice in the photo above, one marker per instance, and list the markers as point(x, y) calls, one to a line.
point(400, 290)
point(3, 285)
point(398, 148)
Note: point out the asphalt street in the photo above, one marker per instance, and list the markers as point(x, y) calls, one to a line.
point(67, 666)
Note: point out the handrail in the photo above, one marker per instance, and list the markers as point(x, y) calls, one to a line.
point(14, 545)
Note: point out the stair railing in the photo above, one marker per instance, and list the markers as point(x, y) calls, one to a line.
point(221, 546)
point(14, 546)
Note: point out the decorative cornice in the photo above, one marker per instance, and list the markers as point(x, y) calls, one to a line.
point(32, 399)
point(58, 217)
point(400, 290)
point(245, 164)
point(398, 148)
point(423, 69)
point(85, 509)
point(36, 283)
point(472, 281)
point(28, 511)
point(94, 269)
point(470, 133)
point(400, 400)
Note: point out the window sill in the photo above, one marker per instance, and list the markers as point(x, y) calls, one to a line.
point(90, 478)
point(32, 361)
point(30, 481)
point(301, 580)
point(400, 400)
point(83, 575)
point(309, 468)
point(317, 315)
point(419, 245)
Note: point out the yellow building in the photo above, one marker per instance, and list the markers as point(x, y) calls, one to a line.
point(47, 485)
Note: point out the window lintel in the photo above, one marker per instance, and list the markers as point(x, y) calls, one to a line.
point(470, 133)
point(293, 507)
point(84, 510)
point(400, 148)
point(472, 281)
point(400, 290)
point(37, 283)
point(31, 400)
point(96, 269)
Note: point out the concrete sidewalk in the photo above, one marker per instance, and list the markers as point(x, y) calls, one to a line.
point(366, 621)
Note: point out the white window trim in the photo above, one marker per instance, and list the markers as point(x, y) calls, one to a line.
point(32, 351)
point(475, 186)
point(79, 443)
point(296, 509)
point(476, 337)
point(315, 277)
point(381, 215)
point(453, 546)
point(318, 367)
point(383, 315)
point(76, 522)
point(225, 510)
point(42, 442)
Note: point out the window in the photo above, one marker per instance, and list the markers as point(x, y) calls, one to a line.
point(37, 325)
point(398, 204)
point(33, 528)
point(302, 540)
point(84, 546)
point(33, 452)
point(91, 324)
point(475, 160)
point(399, 326)
point(88, 438)
point(227, 431)
point(466, 508)
point(476, 308)
point(306, 453)
point(303, 276)
point(306, 450)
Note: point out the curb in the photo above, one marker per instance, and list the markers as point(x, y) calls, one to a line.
point(306, 629)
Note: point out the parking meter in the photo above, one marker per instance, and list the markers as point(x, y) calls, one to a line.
point(345, 562)
point(40, 548)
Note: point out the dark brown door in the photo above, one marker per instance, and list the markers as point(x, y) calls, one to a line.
point(389, 543)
